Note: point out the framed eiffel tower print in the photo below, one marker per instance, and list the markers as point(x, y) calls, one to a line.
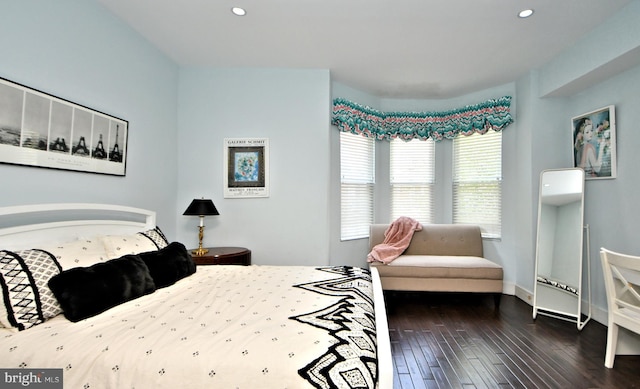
point(41, 130)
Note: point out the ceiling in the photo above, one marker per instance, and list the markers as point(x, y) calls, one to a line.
point(423, 49)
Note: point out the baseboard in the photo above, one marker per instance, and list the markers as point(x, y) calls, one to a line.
point(597, 314)
point(524, 295)
point(509, 288)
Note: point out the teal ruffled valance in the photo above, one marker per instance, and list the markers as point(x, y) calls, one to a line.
point(492, 114)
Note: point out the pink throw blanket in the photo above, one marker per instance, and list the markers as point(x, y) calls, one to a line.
point(396, 239)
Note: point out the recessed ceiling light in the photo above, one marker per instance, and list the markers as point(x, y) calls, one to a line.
point(525, 13)
point(238, 11)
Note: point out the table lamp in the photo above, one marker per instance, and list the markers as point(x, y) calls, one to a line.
point(201, 207)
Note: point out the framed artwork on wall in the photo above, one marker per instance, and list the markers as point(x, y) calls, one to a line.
point(41, 130)
point(246, 167)
point(594, 143)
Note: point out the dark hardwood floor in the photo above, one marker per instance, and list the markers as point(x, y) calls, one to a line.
point(461, 341)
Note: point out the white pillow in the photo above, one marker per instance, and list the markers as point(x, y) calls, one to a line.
point(79, 253)
point(119, 245)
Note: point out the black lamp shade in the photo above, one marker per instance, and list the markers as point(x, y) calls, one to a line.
point(201, 207)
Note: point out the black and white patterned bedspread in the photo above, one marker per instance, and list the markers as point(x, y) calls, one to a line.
point(351, 362)
point(223, 327)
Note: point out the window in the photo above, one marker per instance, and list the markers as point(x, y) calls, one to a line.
point(357, 172)
point(412, 179)
point(477, 181)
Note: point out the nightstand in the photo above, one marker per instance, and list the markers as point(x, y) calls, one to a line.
point(224, 256)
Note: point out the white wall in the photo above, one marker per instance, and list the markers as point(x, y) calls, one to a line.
point(78, 51)
point(291, 108)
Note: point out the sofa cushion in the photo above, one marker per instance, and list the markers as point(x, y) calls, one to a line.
point(437, 239)
point(447, 239)
point(440, 266)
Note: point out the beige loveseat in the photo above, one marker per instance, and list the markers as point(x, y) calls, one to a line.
point(440, 258)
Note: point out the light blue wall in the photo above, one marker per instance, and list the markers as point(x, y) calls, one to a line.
point(600, 70)
point(612, 208)
point(352, 252)
point(543, 140)
point(78, 51)
point(607, 50)
point(501, 251)
point(292, 109)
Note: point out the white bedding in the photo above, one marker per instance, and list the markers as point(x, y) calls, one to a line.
point(223, 327)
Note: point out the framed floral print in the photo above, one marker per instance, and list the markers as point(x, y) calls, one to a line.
point(246, 167)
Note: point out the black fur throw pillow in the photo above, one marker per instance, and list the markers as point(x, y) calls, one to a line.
point(169, 264)
point(87, 291)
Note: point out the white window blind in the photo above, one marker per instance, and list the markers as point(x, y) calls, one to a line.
point(357, 177)
point(477, 182)
point(412, 179)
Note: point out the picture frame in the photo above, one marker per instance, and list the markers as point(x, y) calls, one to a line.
point(246, 167)
point(41, 130)
point(594, 143)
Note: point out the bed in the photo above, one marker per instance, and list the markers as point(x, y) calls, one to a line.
point(170, 324)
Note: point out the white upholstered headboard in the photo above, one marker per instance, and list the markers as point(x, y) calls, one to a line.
point(27, 226)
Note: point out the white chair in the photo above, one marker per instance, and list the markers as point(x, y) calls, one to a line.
point(622, 282)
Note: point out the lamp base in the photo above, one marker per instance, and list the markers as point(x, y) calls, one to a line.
point(199, 251)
